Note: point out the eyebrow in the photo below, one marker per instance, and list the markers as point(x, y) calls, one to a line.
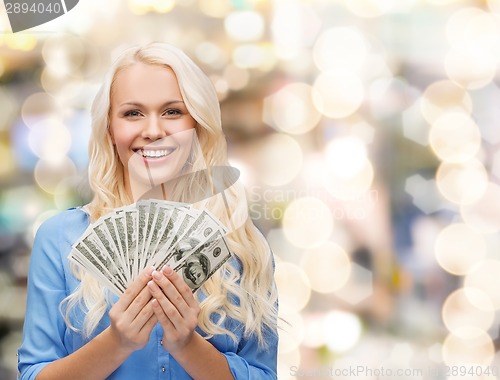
point(137, 104)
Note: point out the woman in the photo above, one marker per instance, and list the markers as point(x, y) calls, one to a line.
point(157, 109)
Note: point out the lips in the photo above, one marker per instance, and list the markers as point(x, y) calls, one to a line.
point(155, 153)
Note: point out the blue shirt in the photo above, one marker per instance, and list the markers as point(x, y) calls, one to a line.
point(47, 338)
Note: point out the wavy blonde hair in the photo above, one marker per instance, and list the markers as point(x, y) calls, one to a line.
point(246, 291)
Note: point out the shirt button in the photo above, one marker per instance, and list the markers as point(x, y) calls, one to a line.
point(161, 342)
point(163, 369)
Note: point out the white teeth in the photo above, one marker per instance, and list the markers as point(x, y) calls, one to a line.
point(155, 153)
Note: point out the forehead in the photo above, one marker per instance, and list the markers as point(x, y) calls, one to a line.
point(143, 82)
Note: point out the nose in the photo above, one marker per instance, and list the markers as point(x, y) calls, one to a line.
point(153, 130)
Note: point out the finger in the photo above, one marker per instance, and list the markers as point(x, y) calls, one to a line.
point(142, 317)
point(134, 289)
point(168, 327)
point(184, 290)
point(150, 324)
point(169, 310)
point(171, 293)
point(138, 304)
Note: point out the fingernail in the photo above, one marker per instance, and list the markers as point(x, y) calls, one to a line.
point(150, 270)
point(167, 270)
point(156, 274)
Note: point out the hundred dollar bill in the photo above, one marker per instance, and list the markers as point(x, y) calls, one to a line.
point(92, 243)
point(132, 237)
point(201, 264)
point(198, 231)
point(142, 215)
point(89, 253)
point(100, 230)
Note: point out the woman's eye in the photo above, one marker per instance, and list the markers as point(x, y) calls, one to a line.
point(173, 112)
point(133, 113)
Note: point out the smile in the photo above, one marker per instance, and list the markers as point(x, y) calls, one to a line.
point(157, 153)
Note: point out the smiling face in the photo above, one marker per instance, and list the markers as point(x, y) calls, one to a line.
point(150, 125)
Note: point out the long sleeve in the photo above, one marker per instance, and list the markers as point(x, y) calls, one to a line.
point(44, 327)
point(252, 362)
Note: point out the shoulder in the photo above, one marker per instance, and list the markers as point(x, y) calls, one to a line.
point(66, 226)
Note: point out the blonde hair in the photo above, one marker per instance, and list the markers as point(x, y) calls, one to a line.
point(246, 291)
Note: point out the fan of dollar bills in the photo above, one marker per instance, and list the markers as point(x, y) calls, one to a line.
point(118, 246)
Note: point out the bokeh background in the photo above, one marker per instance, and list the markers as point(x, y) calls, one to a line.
point(366, 132)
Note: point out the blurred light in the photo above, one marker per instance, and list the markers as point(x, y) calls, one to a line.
point(6, 160)
point(293, 286)
point(484, 277)
point(21, 41)
point(69, 189)
point(287, 360)
point(457, 22)
point(282, 247)
point(211, 54)
point(443, 2)
point(462, 183)
point(327, 266)
point(459, 311)
point(215, 8)
point(346, 156)
point(50, 140)
point(482, 35)
point(8, 109)
point(20, 206)
point(141, 7)
point(24, 157)
point(418, 187)
point(220, 85)
point(474, 31)
point(291, 109)
point(307, 222)
point(237, 78)
point(314, 336)
point(250, 56)
point(352, 187)
point(363, 131)
point(350, 173)
point(53, 83)
point(294, 26)
point(63, 54)
point(79, 122)
point(444, 97)
point(468, 346)
point(454, 137)
point(494, 5)
point(359, 286)
point(340, 48)
point(337, 93)
point(38, 105)
point(415, 127)
point(471, 71)
point(290, 330)
point(49, 173)
point(244, 25)
point(280, 159)
point(369, 8)
point(458, 248)
point(484, 214)
point(342, 330)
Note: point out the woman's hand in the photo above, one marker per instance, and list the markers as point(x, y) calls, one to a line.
point(132, 317)
point(175, 307)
